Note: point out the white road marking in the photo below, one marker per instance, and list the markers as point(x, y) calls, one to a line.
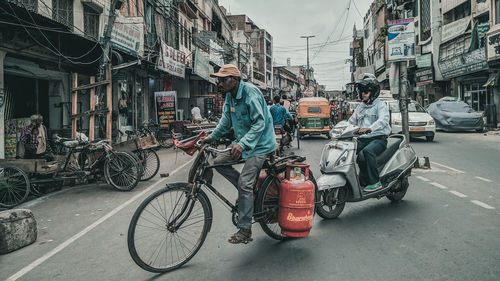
point(439, 185)
point(481, 204)
point(448, 167)
point(461, 195)
point(483, 179)
point(75, 237)
point(422, 178)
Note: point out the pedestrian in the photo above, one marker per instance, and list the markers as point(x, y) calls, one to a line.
point(34, 140)
point(196, 114)
point(372, 117)
point(244, 110)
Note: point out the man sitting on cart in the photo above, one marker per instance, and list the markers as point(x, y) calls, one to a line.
point(244, 110)
point(34, 139)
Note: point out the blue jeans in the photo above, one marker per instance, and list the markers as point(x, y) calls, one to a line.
point(368, 150)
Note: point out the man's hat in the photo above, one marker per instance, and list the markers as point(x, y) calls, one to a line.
point(227, 70)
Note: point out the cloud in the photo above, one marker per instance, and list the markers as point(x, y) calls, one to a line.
point(287, 20)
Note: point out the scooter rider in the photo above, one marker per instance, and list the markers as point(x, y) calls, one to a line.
point(372, 117)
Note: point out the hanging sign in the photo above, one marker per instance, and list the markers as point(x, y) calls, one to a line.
point(401, 39)
point(166, 107)
point(171, 60)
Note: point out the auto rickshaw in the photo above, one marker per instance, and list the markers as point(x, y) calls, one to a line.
point(314, 117)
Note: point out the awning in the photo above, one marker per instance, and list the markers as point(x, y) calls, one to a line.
point(491, 80)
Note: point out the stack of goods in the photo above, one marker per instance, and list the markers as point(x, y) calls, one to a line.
point(13, 129)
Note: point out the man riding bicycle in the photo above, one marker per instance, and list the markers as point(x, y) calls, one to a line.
point(245, 110)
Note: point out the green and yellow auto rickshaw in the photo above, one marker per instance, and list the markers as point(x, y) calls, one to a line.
point(313, 117)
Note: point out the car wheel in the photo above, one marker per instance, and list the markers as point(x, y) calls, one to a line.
point(429, 138)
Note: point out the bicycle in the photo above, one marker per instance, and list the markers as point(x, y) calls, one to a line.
point(146, 156)
point(163, 135)
point(170, 226)
point(97, 159)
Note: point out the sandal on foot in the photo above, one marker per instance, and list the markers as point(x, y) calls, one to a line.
point(242, 236)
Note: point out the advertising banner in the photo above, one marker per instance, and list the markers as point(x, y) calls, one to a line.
point(171, 60)
point(127, 34)
point(166, 107)
point(424, 61)
point(401, 39)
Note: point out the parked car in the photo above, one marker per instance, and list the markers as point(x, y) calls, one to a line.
point(456, 116)
point(421, 124)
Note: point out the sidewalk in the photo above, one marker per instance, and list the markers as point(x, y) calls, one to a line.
point(62, 214)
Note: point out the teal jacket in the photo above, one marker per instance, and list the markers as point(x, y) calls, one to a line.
point(250, 119)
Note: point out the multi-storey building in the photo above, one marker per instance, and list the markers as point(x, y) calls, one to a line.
point(262, 45)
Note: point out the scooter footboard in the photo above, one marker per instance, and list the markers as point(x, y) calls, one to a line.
point(328, 181)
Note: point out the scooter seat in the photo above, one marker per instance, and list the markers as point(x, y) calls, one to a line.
point(392, 147)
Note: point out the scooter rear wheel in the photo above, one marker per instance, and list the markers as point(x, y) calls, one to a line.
point(400, 192)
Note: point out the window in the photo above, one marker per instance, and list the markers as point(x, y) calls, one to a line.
point(497, 11)
point(185, 34)
point(62, 12)
point(90, 22)
point(425, 23)
point(314, 109)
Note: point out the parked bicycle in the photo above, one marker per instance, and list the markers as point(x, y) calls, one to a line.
point(163, 135)
point(170, 226)
point(94, 160)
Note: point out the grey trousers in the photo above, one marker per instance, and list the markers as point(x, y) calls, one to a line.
point(244, 182)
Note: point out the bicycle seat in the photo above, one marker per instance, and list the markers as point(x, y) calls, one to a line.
point(71, 143)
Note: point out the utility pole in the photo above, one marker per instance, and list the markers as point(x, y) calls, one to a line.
point(307, 70)
point(105, 59)
point(403, 90)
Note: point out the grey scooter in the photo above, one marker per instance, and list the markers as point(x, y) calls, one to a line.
point(339, 182)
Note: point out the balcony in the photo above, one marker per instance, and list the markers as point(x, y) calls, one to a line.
point(30, 5)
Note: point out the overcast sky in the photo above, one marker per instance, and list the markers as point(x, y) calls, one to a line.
point(329, 20)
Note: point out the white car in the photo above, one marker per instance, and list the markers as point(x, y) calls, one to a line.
point(420, 122)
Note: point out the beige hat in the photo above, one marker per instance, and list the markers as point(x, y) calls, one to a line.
point(227, 70)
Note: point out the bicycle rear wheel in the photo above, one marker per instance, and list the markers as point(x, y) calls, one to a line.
point(150, 163)
point(168, 228)
point(122, 171)
point(14, 186)
point(267, 206)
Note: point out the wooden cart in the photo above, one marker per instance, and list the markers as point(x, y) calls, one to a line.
point(143, 149)
point(21, 177)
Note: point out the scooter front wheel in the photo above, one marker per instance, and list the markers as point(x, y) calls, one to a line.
point(331, 202)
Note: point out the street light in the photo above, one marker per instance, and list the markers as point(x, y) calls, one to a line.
point(307, 70)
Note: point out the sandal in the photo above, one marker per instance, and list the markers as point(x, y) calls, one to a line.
point(242, 236)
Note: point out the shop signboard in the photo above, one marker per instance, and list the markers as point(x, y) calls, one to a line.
point(127, 34)
point(201, 64)
point(401, 39)
point(171, 60)
point(216, 53)
point(166, 107)
point(424, 61)
point(308, 93)
point(424, 76)
point(454, 29)
point(464, 64)
point(493, 45)
point(206, 35)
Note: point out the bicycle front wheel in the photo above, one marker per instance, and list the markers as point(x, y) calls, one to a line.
point(168, 229)
point(122, 171)
point(14, 186)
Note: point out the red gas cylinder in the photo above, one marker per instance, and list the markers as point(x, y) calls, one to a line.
point(296, 202)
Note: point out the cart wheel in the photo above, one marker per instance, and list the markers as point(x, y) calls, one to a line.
point(14, 186)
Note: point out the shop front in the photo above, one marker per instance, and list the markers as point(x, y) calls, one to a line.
point(29, 89)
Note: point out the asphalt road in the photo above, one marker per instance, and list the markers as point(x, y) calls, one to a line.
point(446, 228)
